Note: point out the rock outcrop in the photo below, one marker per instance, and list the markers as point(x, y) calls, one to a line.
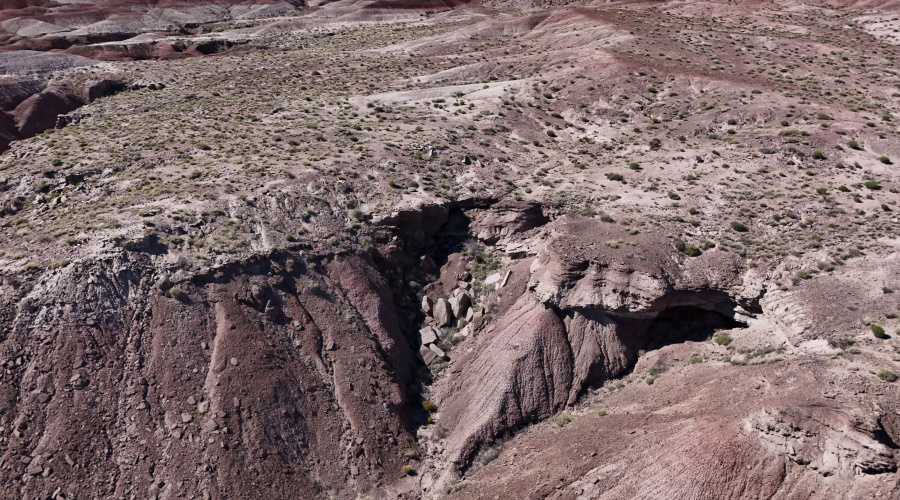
point(580, 319)
point(29, 106)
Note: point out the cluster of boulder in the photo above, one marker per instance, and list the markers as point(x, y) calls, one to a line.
point(455, 311)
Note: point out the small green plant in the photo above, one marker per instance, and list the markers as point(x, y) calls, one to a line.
point(453, 487)
point(878, 331)
point(692, 250)
point(601, 413)
point(804, 274)
point(739, 227)
point(887, 375)
point(885, 160)
point(818, 155)
point(693, 360)
point(406, 470)
point(175, 293)
point(562, 420)
point(428, 405)
point(722, 338)
point(853, 145)
point(872, 184)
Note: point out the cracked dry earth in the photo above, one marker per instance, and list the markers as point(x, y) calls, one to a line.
point(447, 250)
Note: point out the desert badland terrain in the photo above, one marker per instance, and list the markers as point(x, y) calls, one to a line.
point(436, 249)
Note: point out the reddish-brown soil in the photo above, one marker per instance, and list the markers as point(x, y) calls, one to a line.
point(466, 250)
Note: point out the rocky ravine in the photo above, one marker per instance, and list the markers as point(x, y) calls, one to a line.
point(296, 371)
point(576, 315)
point(486, 253)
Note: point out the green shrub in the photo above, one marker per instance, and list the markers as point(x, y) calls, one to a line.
point(803, 274)
point(739, 227)
point(692, 250)
point(854, 145)
point(885, 160)
point(406, 470)
point(562, 420)
point(722, 338)
point(887, 375)
point(175, 293)
point(878, 331)
point(818, 155)
point(872, 184)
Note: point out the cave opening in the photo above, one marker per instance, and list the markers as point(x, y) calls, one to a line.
point(685, 323)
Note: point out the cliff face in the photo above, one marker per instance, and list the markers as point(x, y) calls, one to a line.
point(267, 378)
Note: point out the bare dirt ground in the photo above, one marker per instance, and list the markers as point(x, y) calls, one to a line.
point(493, 250)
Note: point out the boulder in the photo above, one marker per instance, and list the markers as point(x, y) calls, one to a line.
point(493, 279)
point(437, 351)
point(429, 335)
point(427, 355)
point(427, 264)
point(459, 303)
point(427, 305)
point(443, 314)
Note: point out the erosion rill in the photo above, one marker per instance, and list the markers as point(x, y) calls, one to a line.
point(424, 250)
